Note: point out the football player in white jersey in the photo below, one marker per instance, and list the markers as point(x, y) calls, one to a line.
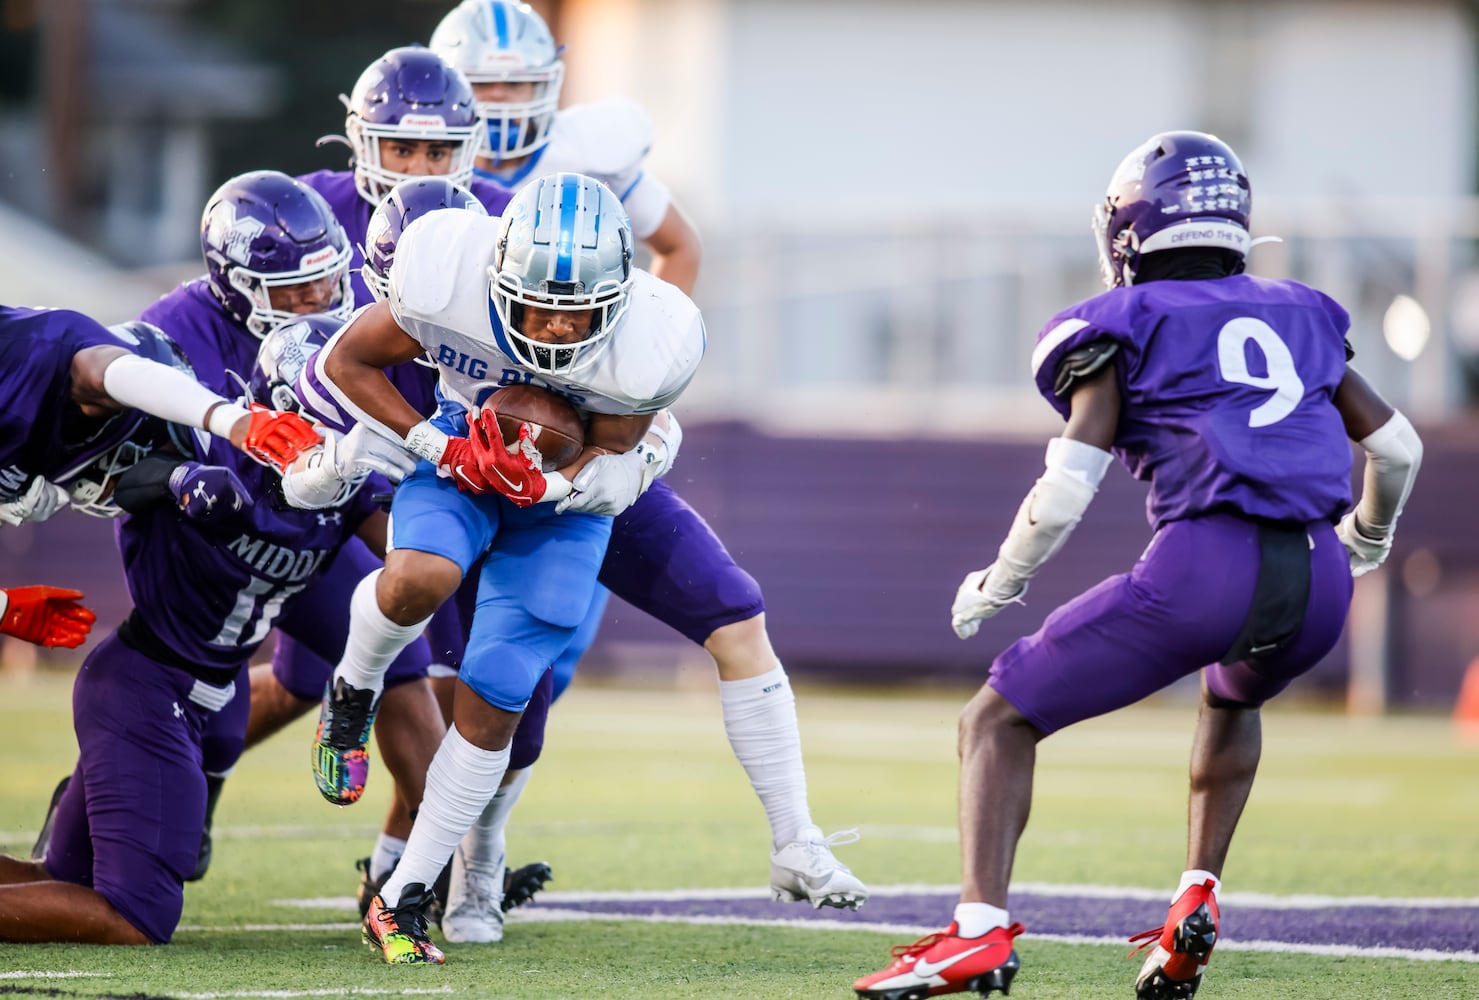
point(505, 49)
point(569, 313)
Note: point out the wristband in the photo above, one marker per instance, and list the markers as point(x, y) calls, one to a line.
point(427, 442)
point(556, 487)
point(4, 602)
point(222, 416)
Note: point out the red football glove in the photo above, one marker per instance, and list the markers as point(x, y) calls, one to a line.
point(459, 463)
point(277, 438)
point(514, 473)
point(47, 616)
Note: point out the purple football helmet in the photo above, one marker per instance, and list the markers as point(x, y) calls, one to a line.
point(264, 230)
point(407, 201)
point(409, 94)
point(129, 435)
point(283, 356)
point(1178, 189)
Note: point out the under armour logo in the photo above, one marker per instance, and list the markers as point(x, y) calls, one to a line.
point(210, 500)
point(179, 712)
point(325, 520)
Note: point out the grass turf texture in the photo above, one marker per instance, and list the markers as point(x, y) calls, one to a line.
point(638, 790)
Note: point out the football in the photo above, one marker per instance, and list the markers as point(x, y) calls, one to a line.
point(559, 433)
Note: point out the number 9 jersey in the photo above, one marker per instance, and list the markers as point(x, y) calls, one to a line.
point(1228, 393)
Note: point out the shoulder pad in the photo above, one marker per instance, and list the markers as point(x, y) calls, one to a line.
point(423, 276)
point(1081, 363)
point(607, 137)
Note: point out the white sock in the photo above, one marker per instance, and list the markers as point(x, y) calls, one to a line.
point(374, 640)
point(1197, 876)
point(459, 785)
point(484, 848)
point(386, 855)
point(760, 721)
point(975, 919)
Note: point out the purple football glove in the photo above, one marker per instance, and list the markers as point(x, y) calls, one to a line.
point(208, 492)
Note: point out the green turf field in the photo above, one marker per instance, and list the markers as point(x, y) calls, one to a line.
point(638, 791)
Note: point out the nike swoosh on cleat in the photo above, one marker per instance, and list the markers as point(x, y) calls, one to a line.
point(928, 969)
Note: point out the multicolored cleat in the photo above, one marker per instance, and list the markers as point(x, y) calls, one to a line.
point(341, 762)
point(1179, 948)
point(398, 934)
point(946, 963)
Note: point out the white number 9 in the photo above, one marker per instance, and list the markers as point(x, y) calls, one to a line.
point(1232, 363)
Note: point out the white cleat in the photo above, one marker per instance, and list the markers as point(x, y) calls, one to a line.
point(805, 869)
point(474, 913)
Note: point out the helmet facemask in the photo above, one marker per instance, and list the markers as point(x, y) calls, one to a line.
point(374, 180)
point(607, 302)
point(515, 129)
point(256, 286)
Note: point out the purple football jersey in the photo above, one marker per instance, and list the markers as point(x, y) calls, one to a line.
point(219, 348)
point(212, 594)
point(36, 351)
point(1228, 389)
point(417, 383)
point(353, 213)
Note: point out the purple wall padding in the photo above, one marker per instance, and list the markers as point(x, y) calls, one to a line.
point(859, 545)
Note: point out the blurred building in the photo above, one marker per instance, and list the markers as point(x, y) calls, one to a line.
point(894, 197)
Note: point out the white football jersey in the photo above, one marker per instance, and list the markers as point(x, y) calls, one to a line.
point(606, 140)
point(439, 285)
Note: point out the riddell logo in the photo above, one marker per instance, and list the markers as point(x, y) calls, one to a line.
point(317, 257)
point(423, 121)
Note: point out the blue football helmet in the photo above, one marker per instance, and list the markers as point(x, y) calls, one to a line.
point(407, 201)
point(503, 41)
point(264, 230)
point(566, 244)
point(129, 435)
point(409, 93)
point(1178, 189)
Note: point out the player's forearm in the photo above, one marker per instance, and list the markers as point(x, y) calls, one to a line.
point(1394, 454)
point(1049, 513)
point(607, 434)
point(169, 394)
point(363, 392)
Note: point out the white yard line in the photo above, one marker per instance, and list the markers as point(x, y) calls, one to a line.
point(354, 991)
point(24, 974)
point(1299, 901)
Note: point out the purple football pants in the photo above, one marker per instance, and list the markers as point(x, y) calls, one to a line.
point(315, 625)
point(1178, 611)
point(130, 821)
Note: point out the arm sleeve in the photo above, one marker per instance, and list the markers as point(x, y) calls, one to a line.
point(1394, 453)
point(158, 389)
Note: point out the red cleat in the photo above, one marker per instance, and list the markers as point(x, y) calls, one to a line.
point(1179, 948)
point(945, 963)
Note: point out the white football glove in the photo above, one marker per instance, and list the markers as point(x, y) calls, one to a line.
point(978, 598)
point(362, 450)
point(41, 500)
point(316, 480)
point(1366, 553)
point(608, 484)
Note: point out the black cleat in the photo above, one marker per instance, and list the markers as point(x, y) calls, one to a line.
point(369, 888)
point(43, 839)
point(213, 785)
point(521, 884)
